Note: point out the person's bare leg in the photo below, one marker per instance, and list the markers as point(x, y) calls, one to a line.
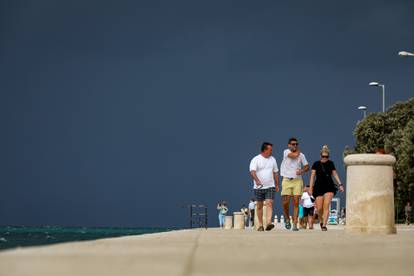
point(310, 222)
point(296, 199)
point(327, 198)
point(319, 207)
point(304, 222)
point(286, 203)
point(269, 211)
point(259, 206)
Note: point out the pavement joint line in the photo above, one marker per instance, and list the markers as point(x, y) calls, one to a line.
point(188, 269)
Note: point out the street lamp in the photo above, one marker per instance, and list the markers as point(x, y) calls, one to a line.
point(383, 92)
point(405, 54)
point(364, 109)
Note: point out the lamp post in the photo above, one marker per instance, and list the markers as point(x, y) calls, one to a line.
point(364, 109)
point(405, 54)
point(383, 92)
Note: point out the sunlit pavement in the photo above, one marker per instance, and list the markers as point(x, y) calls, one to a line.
point(222, 252)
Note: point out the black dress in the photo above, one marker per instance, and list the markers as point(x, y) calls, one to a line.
point(324, 182)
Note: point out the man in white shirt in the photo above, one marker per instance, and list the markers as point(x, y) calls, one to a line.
point(293, 166)
point(264, 171)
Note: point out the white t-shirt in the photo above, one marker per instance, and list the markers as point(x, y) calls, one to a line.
point(307, 202)
point(264, 167)
point(290, 165)
point(252, 205)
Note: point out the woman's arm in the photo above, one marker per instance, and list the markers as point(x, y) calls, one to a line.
point(338, 181)
point(312, 181)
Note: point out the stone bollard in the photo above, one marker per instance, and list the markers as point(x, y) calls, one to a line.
point(370, 194)
point(228, 222)
point(238, 220)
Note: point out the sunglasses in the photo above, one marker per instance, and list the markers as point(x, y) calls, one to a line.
point(294, 144)
point(325, 156)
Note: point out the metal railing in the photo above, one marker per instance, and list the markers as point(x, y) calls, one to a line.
point(198, 216)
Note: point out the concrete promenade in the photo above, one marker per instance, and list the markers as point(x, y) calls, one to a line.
point(221, 252)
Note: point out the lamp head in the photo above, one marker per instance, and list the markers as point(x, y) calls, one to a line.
point(405, 54)
point(362, 107)
point(373, 83)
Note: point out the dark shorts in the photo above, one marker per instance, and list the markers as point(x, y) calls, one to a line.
point(263, 194)
point(308, 211)
point(321, 190)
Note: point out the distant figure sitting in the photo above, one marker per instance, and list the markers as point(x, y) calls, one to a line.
point(322, 186)
point(245, 212)
point(407, 210)
point(264, 171)
point(222, 211)
point(252, 207)
point(343, 215)
point(294, 165)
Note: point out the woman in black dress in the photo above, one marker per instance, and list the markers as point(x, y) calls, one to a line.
point(322, 185)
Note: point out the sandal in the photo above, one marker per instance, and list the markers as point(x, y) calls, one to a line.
point(260, 229)
point(287, 225)
point(324, 228)
point(269, 227)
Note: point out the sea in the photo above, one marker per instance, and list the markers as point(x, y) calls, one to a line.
point(20, 236)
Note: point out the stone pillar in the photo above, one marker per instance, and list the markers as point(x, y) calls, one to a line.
point(238, 220)
point(228, 222)
point(370, 194)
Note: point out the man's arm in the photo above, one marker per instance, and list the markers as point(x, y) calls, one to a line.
point(302, 171)
point(256, 179)
point(276, 177)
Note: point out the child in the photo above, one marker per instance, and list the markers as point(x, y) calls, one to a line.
point(308, 207)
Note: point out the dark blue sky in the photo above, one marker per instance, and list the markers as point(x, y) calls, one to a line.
point(116, 113)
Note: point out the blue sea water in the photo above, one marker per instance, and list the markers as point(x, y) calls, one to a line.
point(16, 236)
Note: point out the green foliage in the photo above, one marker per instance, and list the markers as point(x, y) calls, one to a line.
point(392, 131)
point(369, 133)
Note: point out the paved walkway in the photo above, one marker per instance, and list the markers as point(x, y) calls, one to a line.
point(221, 252)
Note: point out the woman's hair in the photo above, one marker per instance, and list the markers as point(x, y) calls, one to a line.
point(325, 149)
